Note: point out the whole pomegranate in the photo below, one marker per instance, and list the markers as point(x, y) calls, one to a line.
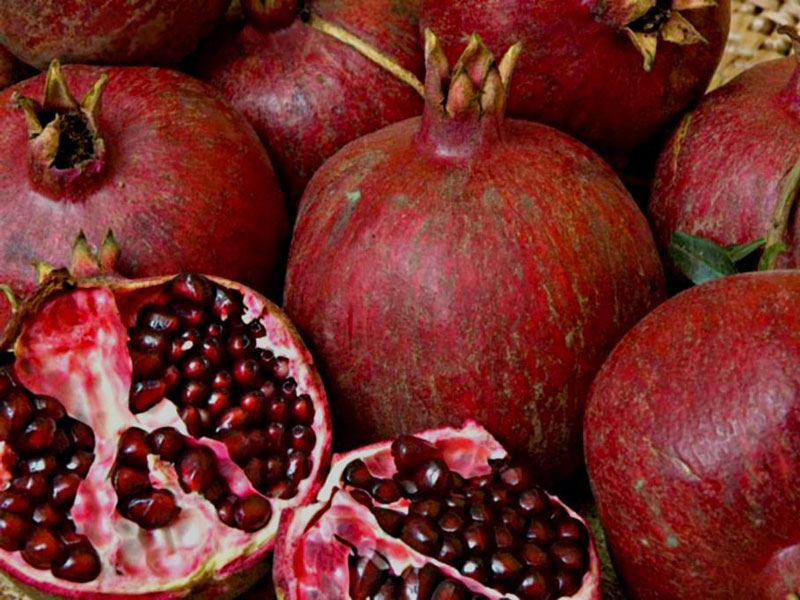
point(461, 266)
point(726, 173)
point(106, 31)
point(176, 173)
point(312, 81)
point(441, 515)
point(152, 432)
point(692, 439)
point(610, 72)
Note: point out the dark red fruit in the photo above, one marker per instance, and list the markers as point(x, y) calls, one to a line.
point(134, 448)
point(80, 564)
point(252, 513)
point(13, 530)
point(153, 509)
point(197, 469)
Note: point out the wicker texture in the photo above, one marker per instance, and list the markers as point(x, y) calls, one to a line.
point(754, 37)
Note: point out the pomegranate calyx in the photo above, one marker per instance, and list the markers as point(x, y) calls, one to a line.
point(775, 243)
point(271, 15)
point(66, 149)
point(86, 263)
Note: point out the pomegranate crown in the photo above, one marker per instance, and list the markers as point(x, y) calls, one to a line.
point(476, 85)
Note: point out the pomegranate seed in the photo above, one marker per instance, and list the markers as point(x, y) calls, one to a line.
point(65, 487)
point(195, 289)
point(557, 514)
point(362, 497)
point(193, 420)
point(159, 318)
point(267, 359)
point(197, 468)
point(515, 477)
point(198, 367)
point(150, 341)
point(217, 491)
point(6, 384)
point(535, 585)
point(408, 486)
point(49, 407)
point(133, 448)
point(227, 304)
point(35, 486)
point(43, 548)
point(39, 436)
point(477, 537)
point(48, 515)
point(499, 496)
point(257, 440)
point(183, 344)
point(128, 481)
point(254, 470)
point(429, 508)
point(216, 330)
point(449, 590)
point(153, 509)
point(253, 404)
point(62, 443)
point(278, 411)
point(289, 389)
point(451, 522)
point(568, 583)
point(410, 452)
point(247, 373)
point(222, 381)
point(357, 475)
point(46, 465)
point(452, 550)
point(421, 535)
point(146, 394)
point(568, 555)
point(276, 437)
point(239, 345)
point(475, 567)
point(238, 446)
point(234, 419)
point(480, 512)
point(80, 463)
point(17, 411)
point(257, 329)
point(571, 529)
point(167, 443)
point(213, 351)
point(503, 538)
point(13, 531)
point(385, 491)
point(15, 502)
point(456, 501)
point(194, 393)
point(540, 532)
point(191, 317)
point(226, 510)
point(390, 521)
point(533, 556)
point(252, 513)
point(388, 591)
point(298, 467)
point(303, 410)
point(80, 564)
point(280, 368)
point(504, 566)
point(303, 438)
point(367, 576)
point(512, 520)
point(433, 477)
point(82, 436)
point(70, 538)
point(274, 469)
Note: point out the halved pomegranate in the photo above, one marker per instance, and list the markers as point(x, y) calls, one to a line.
point(444, 514)
point(152, 432)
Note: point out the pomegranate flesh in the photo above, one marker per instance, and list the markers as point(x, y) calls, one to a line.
point(444, 514)
point(711, 183)
point(301, 82)
point(461, 266)
point(123, 475)
point(108, 32)
point(609, 72)
point(692, 439)
point(163, 149)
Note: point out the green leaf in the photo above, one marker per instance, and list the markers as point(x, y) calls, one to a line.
point(701, 260)
point(769, 258)
point(738, 252)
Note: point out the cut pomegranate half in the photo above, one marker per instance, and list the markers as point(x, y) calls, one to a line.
point(152, 433)
point(444, 514)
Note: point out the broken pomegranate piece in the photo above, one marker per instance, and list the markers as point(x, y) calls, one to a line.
point(151, 433)
point(442, 514)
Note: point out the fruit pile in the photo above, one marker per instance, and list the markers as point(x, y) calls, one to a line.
point(478, 313)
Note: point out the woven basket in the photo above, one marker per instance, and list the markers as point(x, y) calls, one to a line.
point(754, 37)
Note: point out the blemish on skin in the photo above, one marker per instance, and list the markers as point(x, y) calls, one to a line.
point(645, 542)
point(672, 541)
point(638, 485)
point(354, 196)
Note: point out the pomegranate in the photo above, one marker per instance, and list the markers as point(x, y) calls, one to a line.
point(108, 32)
point(610, 72)
point(312, 81)
point(691, 436)
point(152, 431)
point(11, 70)
point(164, 163)
point(444, 514)
point(710, 182)
point(462, 266)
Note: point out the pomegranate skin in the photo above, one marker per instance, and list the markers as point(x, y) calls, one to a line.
point(106, 31)
point(720, 176)
point(308, 94)
point(452, 268)
point(186, 185)
point(579, 71)
point(691, 438)
point(10, 68)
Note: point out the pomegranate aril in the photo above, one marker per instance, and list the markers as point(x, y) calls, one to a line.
point(418, 583)
point(410, 452)
point(568, 555)
point(194, 393)
point(274, 469)
point(557, 514)
point(303, 410)
point(82, 436)
point(283, 490)
point(234, 419)
point(367, 575)
point(35, 486)
point(216, 330)
point(253, 403)
point(237, 443)
point(152, 509)
point(79, 564)
point(276, 437)
point(159, 318)
point(475, 567)
point(449, 590)
point(226, 510)
point(257, 329)
point(430, 508)
point(254, 470)
point(191, 288)
point(15, 502)
point(433, 477)
point(534, 556)
point(540, 532)
point(389, 520)
point(43, 548)
point(387, 591)
point(128, 481)
point(239, 345)
point(70, 538)
point(268, 390)
point(62, 443)
point(213, 351)
point(503, 538)
point(247, 374)
point(6, 383)
point(289, 389)
point(456, 501)
point(146, 394)
point(151, 341)
point(451, 522)
point(13, 530)
point(197, 368)
point(298, 466)
point(64, 489)
point(48, 515)
point(217, 491)
point(385, 491)
point(80, 463)
point(357, 475)
point(304, 439)
point(571, 529)
point(535, 585)
point(505, 567)
point(183, 344)
point(278, 411)
point(512, 520)
point(452, 550)
point(39, 435)
point(409, 487)
point(193, 419)
point(196, 469)
point(227, 304)
point(167, 442)
point(16, 411)
point(46, 465)
point(568, 583)
point(280, 368)
point(252, 513)
point(222, 381)
point(515, 477)
point(481, 513)
point(499, 496)
point(477, 538)
point(133, 448)
point(421, 535)
point(49, 407)
point(190, 316)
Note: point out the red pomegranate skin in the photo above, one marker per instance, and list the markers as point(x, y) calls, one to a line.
point(10, 68)
point(465, 269)
point(187, 185)
point(308, 94)
point(106, 31)
point(692, 438)
point(579, 71)
point(720, 176)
